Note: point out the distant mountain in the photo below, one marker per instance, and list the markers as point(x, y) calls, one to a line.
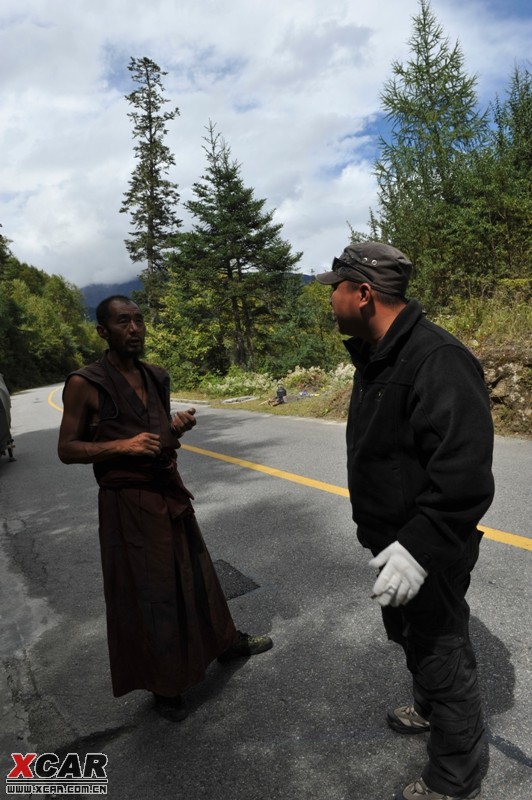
point(97, 291)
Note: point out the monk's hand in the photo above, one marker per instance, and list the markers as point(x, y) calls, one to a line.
point(183, 421)
point(143, 444)
point(400, 577)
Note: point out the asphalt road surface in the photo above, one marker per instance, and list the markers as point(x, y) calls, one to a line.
point(304, 721)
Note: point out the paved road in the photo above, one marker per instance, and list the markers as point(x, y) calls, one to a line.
point(302, 722)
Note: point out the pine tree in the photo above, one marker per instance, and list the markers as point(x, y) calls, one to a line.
point(234, 256)
point(511, 174)
point(151, 198)
point(436, 129)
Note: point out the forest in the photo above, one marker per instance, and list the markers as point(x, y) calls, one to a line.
point(224, 297)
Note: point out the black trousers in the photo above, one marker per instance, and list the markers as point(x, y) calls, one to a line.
point(433, 631)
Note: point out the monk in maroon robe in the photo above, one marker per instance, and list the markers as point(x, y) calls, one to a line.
point(167, 617)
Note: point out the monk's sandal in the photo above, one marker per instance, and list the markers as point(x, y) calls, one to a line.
point(246, 645)
point(405, 719)
point(419, 789)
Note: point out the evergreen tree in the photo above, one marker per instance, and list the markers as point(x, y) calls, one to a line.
point(508, 181)
point(151, 198)
point(436, 129)
point(306, 334)
point(230, 269)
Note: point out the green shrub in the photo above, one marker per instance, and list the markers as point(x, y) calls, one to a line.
point(237, 383)
point(316, 379)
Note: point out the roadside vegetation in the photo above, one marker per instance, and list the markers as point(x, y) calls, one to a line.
point(495, 329)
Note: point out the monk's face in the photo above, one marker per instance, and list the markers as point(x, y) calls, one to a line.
point(125, 329)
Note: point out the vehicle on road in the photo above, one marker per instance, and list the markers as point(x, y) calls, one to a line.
point(6, 440)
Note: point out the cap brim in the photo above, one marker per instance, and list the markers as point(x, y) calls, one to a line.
point(329, 278)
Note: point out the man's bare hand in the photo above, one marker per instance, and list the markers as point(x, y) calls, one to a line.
point(183, 421)
point(143, 444)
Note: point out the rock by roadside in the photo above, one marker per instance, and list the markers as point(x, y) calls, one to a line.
point(508, 373)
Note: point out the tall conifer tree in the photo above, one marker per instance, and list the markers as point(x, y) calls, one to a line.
point(510, 179)
point(234, 255)
point(436, 128)
point(151, 198)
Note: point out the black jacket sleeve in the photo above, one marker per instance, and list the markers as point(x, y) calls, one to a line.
point(453, 430)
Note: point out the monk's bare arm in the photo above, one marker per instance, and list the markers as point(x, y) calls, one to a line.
point(80, 405)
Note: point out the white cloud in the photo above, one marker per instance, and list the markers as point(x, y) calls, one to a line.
point(291, 85)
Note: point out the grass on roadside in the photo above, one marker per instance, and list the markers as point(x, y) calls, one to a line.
point(505, 318)
point(329, 405)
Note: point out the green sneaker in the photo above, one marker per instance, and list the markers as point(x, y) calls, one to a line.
point(405, 719)
point(244, 646)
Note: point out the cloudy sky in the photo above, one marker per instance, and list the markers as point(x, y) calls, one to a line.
point(292, 85)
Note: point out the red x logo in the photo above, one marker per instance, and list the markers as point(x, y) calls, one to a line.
point(22, 765)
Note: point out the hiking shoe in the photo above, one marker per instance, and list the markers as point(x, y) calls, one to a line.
point(172, 708)
point(420, 789)
point(405, 719)
point(244, 646)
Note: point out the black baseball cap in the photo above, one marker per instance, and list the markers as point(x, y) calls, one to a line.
point(384, 267)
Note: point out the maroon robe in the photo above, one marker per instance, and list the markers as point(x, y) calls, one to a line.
point(167, 617)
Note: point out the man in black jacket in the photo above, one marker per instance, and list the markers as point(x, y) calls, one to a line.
point(419, 454)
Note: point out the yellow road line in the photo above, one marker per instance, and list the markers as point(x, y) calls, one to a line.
point(51, 402)
point(507, 538)
point(276, 473)
point(512, 539)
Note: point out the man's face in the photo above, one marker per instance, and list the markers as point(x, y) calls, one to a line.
point(345, 299)
point(125, 330)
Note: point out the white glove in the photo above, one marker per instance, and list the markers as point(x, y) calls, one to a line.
point(401, 576)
